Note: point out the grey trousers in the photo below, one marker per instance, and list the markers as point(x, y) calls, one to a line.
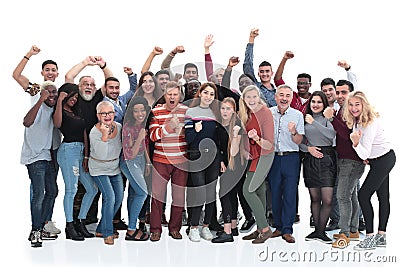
point(349, 173)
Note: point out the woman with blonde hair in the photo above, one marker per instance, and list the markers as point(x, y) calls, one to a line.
point(259, 124)
point(372, 146)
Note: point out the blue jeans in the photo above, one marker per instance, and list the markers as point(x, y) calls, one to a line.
point(112, 190)
point(43, 191)
point(70, 157)
point(349, 174)
point(283, 177)
point(137, 191)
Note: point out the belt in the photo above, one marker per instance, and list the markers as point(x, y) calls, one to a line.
point(105, 160)
point(285, 153)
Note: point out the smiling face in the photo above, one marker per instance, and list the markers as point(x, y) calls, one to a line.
point(50, 72)
point(330, 93)
point(52, 98)
point(355, 106)
point(207, 96)
point(112, 89)
point(342, 92)
point(162, 80)
point(265, 73)
point(252, 99)
point(172, 98)
point(283, 98)
point(87, 88)
point(148, 85)
point(316, 104)
point(72, 100)
point(139, 113)
point(303, 86)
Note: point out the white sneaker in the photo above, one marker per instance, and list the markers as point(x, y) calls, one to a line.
point(51, 228)
point(194, 235)
point(206, 234)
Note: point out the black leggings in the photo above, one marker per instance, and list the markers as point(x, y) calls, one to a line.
point(377, 180)
point(203, 191)
point(229, 187)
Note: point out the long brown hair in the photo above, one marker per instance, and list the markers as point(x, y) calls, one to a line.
point(232, 123)
point(214, 106)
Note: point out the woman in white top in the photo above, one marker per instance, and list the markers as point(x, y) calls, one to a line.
point(370, 143)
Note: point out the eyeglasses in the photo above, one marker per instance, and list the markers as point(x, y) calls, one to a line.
point(104, 114)
point(303, 83)
point(89, 84)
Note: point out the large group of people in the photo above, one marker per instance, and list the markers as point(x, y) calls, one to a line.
point(251, 142)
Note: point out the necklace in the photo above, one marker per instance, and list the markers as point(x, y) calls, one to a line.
point(111, 130)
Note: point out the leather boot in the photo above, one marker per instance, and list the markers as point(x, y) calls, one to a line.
point(80, 226)
point(71, 233)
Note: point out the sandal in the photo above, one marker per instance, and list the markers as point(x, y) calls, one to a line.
point(134, 236)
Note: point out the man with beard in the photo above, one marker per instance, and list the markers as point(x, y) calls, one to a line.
point(49, 73)
point(89, 97)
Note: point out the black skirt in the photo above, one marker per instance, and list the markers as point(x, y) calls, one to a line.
point(321, 172)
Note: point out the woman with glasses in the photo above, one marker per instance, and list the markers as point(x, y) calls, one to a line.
point(105, 150)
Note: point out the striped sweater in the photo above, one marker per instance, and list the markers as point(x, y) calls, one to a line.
point(170, 147)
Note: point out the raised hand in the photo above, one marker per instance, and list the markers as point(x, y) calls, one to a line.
point(208, 41)
point(343, 64)
point(233, 61)
point(128, 70)
point(157, 50)
point(288, 55)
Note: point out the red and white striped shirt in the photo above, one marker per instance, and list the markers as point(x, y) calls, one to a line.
point(170, 147)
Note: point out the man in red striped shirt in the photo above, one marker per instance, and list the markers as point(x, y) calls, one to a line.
point(169, 160)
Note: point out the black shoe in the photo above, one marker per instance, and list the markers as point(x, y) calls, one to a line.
point(324, 238)
point(235, 232)
point(222, 238)
point(313, 236)
point(297, 219)
point(215, 227)
point(120, 225)
point(312, 223)
point(80, 227)
point(91, 220)
point(36, 239)
point(247, 225)
point(71, 233)
point(142, 227)
point(187, 230)
point(332, 226)
point(361, 225)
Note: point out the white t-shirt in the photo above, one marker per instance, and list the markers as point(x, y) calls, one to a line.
point(38, 137)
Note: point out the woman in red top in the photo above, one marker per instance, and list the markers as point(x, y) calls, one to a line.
point(259, 123)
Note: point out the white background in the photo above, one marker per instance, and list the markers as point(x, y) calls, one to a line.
point(320, 33)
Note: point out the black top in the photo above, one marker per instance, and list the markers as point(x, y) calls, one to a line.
point(223, 134)
point(72, 127)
